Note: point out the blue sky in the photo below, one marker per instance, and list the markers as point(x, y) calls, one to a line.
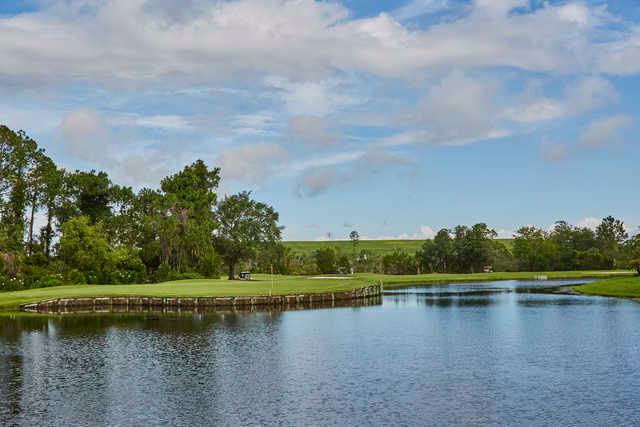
point(395, 118)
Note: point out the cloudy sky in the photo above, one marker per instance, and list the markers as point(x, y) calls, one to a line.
point(395, 118)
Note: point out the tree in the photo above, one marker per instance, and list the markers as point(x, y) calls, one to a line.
point(532, 249)
point(610, 234)
point(53, 181)
point(37, 185)
point(84, 246)
point(86, 194)
point(354, 236)
point(18, 154)
point(473, 247)
point(243, 224)
point(183, 215)
point(326, 260)
point(399, 263)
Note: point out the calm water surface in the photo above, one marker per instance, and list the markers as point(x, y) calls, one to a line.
point(489, 353)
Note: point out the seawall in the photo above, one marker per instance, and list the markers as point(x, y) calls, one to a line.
point(84, 303)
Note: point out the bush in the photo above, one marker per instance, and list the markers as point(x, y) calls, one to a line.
point(77, 277)
point(124, 266)
point(635, 264)
point(162, 273)
point(185, 276)
point(48, 281)
point(399, 263)
point(11, 283)
point(210, 265)
point(326, 260)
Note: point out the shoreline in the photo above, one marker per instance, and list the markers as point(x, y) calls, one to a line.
point(206, 302)
point(265, 285)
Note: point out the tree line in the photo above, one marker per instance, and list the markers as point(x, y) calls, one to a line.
point(475, 249)
point(95, 231)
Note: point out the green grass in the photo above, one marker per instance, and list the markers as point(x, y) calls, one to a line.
point(624, 287)
point(262, 285)
point(425, 279)
point(375, 247)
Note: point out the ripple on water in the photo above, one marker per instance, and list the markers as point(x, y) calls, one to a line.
point(481, 354)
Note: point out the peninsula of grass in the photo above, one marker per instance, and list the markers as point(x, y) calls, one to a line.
point(622, 287)
point(264, 285)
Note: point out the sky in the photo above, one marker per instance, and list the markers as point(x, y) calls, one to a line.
point(393, 118)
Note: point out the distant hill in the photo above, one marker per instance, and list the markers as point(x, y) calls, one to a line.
point(376, 247)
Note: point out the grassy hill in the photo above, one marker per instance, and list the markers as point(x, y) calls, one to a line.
point(376, 247)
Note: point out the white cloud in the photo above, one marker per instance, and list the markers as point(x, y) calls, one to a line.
point(417, 8)
point(457, 110)
point(589, 222)
point(604, 131)
point(165, 122)
point(143, 42)
point(311, 130)
point(80, 125)
point(584, 95)
point(427, 232)
point(503, 233)
point(84, 135)
point(316, 182)
point(252, 163)
point(320, 174)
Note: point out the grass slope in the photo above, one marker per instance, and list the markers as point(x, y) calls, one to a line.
point(186, 288)
point(625, 287)
point(262, 285)
point(425, 279)
point(375, 247)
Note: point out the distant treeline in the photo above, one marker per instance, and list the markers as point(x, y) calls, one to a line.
point(475, 249)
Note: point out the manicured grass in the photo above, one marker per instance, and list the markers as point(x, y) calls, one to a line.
point(375, 247)
point(398, 281)
point(262, 285)
point(625, 287)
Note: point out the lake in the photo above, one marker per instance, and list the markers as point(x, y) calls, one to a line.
point(477, 353)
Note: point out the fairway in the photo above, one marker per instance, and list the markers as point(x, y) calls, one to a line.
point(625, 287)
point(375, 247)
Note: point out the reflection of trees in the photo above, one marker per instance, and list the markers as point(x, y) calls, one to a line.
point(10, 386)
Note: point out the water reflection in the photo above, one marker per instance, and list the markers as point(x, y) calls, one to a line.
point(489, 353)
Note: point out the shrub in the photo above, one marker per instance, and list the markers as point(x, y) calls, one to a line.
point(326, 260)
point(210, 265)
point(635, 264)
point(399, 263)
point(77, 277)
point(11, 283)
point(185, 276)
point(124, 266)
point(48, 281)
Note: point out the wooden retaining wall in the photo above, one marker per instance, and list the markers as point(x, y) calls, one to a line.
point(204, 302)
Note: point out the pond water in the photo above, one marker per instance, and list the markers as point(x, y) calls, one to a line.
point(483, 353)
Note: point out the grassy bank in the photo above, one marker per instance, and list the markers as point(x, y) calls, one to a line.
point(262, 285)
point(624, 287)
point(425, 279)
point(375, 247)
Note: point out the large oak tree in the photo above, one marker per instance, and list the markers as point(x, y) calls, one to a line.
point(243, 225)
